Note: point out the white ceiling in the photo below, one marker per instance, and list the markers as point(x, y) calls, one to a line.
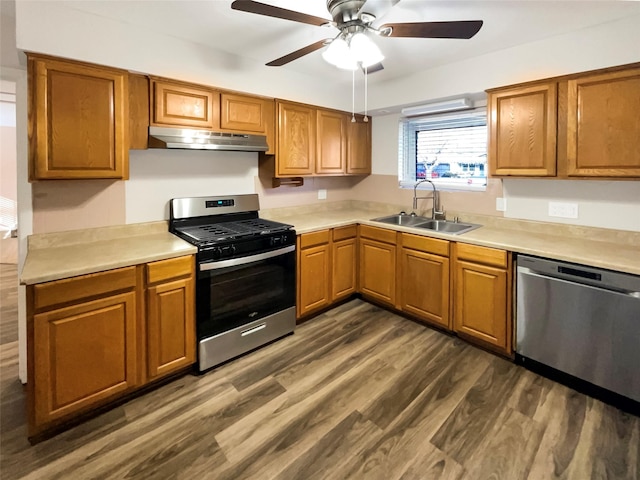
point(215, 24)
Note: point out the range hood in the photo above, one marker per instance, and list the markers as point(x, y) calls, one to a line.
point(165, 137)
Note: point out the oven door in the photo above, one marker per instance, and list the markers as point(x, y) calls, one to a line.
point(235, 292)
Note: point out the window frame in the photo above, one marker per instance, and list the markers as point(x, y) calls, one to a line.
point(407, 146)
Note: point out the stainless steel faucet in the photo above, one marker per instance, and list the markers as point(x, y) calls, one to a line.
point(435, 209)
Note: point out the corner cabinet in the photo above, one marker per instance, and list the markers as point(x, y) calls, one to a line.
point(78, 120)
point(95, 338)
point(482, 295)
point(327, 268)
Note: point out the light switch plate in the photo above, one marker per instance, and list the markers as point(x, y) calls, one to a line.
point(322, 194)
point(563, 210)
point(501, 204)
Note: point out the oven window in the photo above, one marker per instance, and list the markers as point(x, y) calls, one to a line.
point(233, 296)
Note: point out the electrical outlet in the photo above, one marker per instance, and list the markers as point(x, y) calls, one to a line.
point(322, 194)
point(501, 204)
point(563, 210)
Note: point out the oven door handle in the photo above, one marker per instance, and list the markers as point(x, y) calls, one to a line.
point(234, 262)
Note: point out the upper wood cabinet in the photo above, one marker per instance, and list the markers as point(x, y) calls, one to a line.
point(243, 113)
point(78, 120)
point(331, 142)
point(359, 147)
point(522, 130)
point(579, 126)
point(296, 139)
point(603, 124)
point(183, 105)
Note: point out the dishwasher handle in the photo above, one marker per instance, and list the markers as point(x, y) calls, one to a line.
point(586, 275)
point(580, 273)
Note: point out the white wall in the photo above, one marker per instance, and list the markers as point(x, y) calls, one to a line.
point(157, 176)
point(55, 29)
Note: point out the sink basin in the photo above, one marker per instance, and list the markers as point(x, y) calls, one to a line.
point(454, 228)
point(448, 227)
point(404, 220)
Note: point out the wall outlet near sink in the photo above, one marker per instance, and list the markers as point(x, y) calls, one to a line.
point(322, 194)
point(563, 210)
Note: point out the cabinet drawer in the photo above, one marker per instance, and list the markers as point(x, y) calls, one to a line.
point(380, 234)
point(484, 255)
point(342, 233)
point(314, 238)
point(170, 268)
point(426, 244)
point(77, 288)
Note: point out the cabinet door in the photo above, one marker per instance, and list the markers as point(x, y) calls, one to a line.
point(480, 306)
point(79, 116)
point(185, 106)
point(331, 142)
point(296, 139)
point(314, 289)
point(86, 354)
point(425, 286)
point(243, 113)
point(378, 270)
point(170, 327)
point(603, 125)
point(359, 147)
point(522, 131)
point(343, 259)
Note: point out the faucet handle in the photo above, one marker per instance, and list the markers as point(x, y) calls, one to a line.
point(439, 214)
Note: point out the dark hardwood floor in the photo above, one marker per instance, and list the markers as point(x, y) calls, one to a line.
point(356, 393)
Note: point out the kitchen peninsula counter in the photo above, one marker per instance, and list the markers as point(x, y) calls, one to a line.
point(617, 250)
point(54, 256)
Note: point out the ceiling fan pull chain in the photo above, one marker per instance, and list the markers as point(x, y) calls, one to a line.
point(353, 96)
point(366, 80)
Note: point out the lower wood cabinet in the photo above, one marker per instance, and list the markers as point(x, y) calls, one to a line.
point(378, 264)
point(90, 337)
point(171, 342)
point(482, 295)
point(326, 268)
point(424, 279)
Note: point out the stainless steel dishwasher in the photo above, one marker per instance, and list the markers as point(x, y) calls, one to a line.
point(581, 321)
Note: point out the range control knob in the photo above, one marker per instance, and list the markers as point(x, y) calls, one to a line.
point(216, 253)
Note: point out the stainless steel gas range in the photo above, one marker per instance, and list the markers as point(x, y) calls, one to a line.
point(246, 274)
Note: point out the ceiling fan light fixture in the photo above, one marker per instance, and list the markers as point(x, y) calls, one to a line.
point(339, 54)
point(364, 51)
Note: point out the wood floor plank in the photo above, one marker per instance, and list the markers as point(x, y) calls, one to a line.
point(464, 430)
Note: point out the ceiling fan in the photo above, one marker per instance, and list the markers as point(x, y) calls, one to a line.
point(352, 48)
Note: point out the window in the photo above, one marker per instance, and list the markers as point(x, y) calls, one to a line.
point(449, 149)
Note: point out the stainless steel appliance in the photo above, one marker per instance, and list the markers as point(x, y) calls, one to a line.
point(581, 321)
point(246, 274)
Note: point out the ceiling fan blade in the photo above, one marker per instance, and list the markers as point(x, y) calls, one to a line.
point(377, 8)
point(376, 67)
point(278, 62)
point(463, 29)
point(277, 12)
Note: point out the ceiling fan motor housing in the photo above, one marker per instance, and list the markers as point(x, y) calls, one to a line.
point(344, 11)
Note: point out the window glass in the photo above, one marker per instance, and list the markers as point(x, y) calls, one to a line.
point(448, 149)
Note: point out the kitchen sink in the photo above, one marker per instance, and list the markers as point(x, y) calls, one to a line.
point(417, 221)
point(455, 228)
point(402, 219)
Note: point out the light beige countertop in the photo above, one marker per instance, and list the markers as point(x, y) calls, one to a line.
point(605, 248)
point(54, 256)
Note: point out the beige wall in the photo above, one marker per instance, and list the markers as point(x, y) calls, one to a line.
point(8, 188)
point(74, 204)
